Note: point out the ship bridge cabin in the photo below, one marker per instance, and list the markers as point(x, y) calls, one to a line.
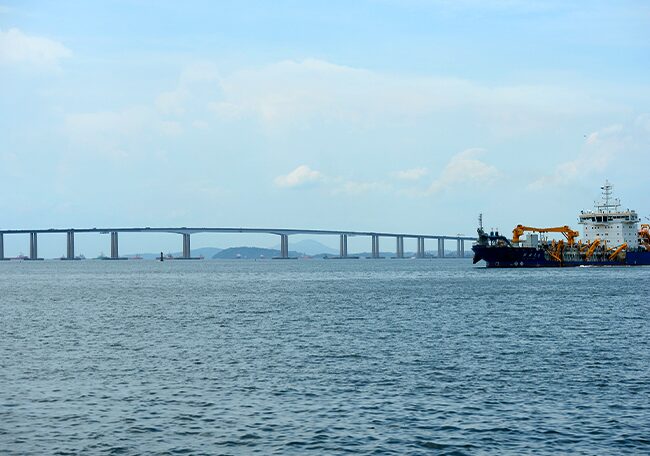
point(608, 223)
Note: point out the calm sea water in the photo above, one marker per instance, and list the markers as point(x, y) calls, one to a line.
point(322, 357)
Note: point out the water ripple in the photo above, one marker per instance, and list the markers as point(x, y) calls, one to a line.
point(385, 358)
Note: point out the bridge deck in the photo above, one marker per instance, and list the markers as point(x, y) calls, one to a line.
point(192, 230)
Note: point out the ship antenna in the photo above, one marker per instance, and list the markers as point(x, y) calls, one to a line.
point(480, 221)
point(608, 202)
point(607, 192)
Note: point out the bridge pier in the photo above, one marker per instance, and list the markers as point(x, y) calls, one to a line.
point(343, 249)
point(441, 248)
point(33, 246)
point(115, 251)
point(399, 248)
point(70, 249)
point(186, 246)
point(284, 247)
point(375, 246)
point(460, 248)
point(420, 250)
point(2, 247)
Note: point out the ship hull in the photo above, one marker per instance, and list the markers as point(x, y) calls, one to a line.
point(638, 258)
point(528, 257)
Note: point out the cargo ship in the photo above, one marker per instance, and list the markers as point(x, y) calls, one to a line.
point(612, 237)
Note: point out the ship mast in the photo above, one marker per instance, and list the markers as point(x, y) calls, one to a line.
point(608, 203)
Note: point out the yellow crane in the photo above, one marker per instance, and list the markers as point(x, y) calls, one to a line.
point(592, 248)
point(568, 233)
point(557, 250)
point(617, 251)
point(644, 236)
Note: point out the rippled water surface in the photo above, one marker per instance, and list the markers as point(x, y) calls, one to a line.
point(322, 357)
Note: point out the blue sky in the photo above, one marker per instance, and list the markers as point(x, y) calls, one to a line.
point(372, 115)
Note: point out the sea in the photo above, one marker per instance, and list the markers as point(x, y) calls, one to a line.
point(296, 357)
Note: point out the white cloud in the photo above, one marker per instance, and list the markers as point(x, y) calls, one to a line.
point(200, 124)
point(311, 90)
point(196, 81)
point(464, 168)
point(597, 137)
point(643, 122)
point(300, 176)
point(290, 93)
point(172, 102)
point(118, 134)
point(357, 188)
point(615, 143)
point(303, 175)
point(17, 47)
point(412, 174)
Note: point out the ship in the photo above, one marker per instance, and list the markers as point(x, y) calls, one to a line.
point(611, 237)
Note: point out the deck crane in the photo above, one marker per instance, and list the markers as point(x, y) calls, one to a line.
point(617, 251)
point(557, 250)
point(568, 233)
point(592, 248)
point(644, 236)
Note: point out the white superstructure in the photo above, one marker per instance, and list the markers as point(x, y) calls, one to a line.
point(608, 223)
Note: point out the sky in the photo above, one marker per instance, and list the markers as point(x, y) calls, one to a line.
point(380, 115)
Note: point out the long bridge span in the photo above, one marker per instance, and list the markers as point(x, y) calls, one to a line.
point(284, 234)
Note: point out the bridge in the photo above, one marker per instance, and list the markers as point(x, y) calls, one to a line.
point(284, 234)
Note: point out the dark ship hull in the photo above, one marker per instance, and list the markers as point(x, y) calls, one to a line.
point(637, 258)
point(507, 256)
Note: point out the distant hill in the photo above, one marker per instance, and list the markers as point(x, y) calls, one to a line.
point(207, 252)
point(251, 253)
point(310, 247)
